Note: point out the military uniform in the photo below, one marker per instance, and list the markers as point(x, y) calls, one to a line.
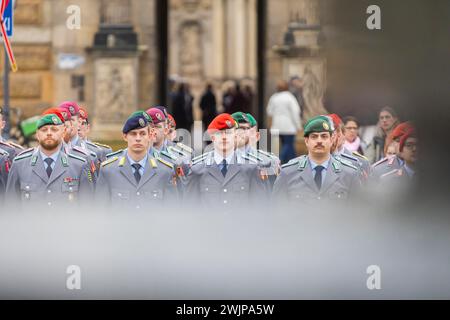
point(89, 156)
point(362, 164)
point(101, 150)
point(208, 187)
point(296, 182)
point(266, 162)
point(118, 187)
point(385, 165)
point(30, 185)
point(10, 149)
point(4, 169)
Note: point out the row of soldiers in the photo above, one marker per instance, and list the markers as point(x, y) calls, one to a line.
point(154, 171)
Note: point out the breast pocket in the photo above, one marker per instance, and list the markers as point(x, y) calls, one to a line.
point(154, 195)
point(120, 196)
point(70, 190)
point(28, 190)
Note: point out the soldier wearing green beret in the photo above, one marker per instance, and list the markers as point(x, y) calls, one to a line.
point(247, 139)
point(47, 175)
point(317, 175)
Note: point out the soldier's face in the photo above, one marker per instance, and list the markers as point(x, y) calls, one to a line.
point(75, 125)
point(161, 132)
point(50, 136)
point(138, 140)
point(319, 143)
point(224, 140)
point(242, 135)
point(253, 135)
point(84, 129)
point(2, 124)
point(409, 152)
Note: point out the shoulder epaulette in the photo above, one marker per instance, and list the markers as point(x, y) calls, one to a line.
point(122, 161)
point(359, 155)
point(397, 171)
point(247, 157)
point(349, 157)
point(18, 146)
point(23, 156)
point(25, 151)
point(168, 155)
point(4, 153)
point(80, 150)
point(101, 145)
point(114, 153)
point(380, 162)
point(347, 163)
point(203, 155)
point(185, 147)
point(179, 151)
point(165, 162)
point(268, 154)
point(291, 163)
point(106, 162)
point(92, 144)
point(76, 157)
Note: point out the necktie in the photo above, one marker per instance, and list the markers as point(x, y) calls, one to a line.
point(318, 176)
point(224, 167)
point(49, 169)
point(137, 174)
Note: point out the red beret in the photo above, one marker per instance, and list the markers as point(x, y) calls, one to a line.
point(410, 133)
point(156, 114)
point(72, 106)
point(83, 113)
point(337, 121)
point(172, 122)
point(222, 122)
point(65, 112)
point(401, 129)
point(54, 111)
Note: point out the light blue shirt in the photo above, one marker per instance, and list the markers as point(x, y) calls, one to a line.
point(324, 171)
point(53, 156)
point(143, 162)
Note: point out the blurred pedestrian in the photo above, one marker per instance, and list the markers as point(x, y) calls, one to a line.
point(182, 107)
point(353, 142)
point(285, 113)
point(208, 105)
point(387, 121)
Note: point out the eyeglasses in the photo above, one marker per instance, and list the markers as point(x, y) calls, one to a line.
point(351, 128)
point(410, 145)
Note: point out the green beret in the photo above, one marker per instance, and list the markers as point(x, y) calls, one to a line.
point(240, 117)
point(141, 113)
point(318, 124)
point(252, 120)
point(49, 119)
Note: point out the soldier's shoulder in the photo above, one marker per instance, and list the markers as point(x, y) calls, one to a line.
point(201, 158)
point(391, 174)
point(73, 156)
point(380, 162)
point(24, 155)
point(340, 164)
point(15, 145)
point(349, 157)
point(185, 147)
point(114, 154)
point(256, 159)
point(359, 156)
point(107, 162)
point(165, 162)
point(100, 145)
point(168, 155)
point(299, 162)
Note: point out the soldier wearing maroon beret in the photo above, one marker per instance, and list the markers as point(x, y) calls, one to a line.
point(221, 180)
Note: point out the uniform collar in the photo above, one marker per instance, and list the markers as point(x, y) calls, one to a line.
point(218, 158)
point(324, 164)
point(54, 156)
point(142, 162)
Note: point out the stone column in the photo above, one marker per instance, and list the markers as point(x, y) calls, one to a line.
point(218, 12)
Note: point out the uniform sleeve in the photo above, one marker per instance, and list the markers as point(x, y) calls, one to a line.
point(86, 187)
point(259, 187)
point(12, 194)
point(279, 192)
point(102, 194)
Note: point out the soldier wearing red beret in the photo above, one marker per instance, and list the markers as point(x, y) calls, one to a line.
point(220, 179)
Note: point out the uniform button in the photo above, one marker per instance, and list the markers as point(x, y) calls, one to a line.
point(224, 190)
point(138, 207)
point(318, 198)
point(206, 189)
point(242, 188)
point(138, 193)
point(49, 203)
point(119, 194)
point(70, 189)
point(225, 201)
point(27, 187)
point(49, 191)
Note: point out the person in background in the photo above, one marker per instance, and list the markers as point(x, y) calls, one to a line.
point(182, 107)
point(353, 142)
point(285, 112)
point(387, 121)
point(208, 105)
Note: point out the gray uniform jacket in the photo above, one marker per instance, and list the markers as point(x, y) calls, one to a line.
point(4, 163)
point(242, 185)
point(117, 187)
point(296, 182)
point(384, 166)
point(69, 183)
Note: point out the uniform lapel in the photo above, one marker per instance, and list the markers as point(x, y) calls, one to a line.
point(125, 169)
point(149, 172)
point(213, 168)
point(330, 177)
point(308, 176)
point(38, 166)
point(58, 170)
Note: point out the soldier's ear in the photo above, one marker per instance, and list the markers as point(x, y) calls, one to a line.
point(258, 135)
point(124, 136)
